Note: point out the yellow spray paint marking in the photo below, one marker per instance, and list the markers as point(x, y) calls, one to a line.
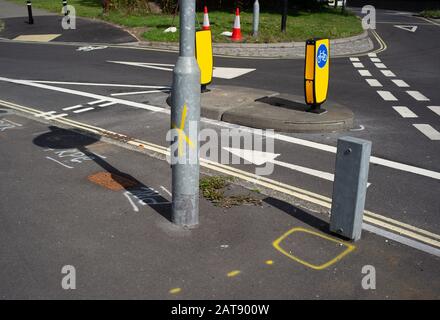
point(37, 37)
point(278, 241)
point(175, 290)
point(269, 262)
point(233, 273)
point(181, 131)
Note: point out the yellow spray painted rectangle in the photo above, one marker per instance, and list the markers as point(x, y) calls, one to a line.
point(316, 71)
point(204, 55)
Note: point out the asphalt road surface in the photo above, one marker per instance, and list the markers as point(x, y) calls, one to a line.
point(393, 92)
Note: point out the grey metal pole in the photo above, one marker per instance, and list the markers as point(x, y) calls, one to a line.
point(256, 21)
point(185, 114)
point(350, 187)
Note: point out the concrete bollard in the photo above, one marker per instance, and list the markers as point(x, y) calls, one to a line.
point(350, 187)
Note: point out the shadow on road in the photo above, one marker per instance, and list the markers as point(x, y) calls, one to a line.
point(63, 139)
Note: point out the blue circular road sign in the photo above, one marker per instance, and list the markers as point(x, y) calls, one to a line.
point(322, 56)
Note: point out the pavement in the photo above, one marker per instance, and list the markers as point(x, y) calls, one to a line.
point(105, 211)
point(117, 92)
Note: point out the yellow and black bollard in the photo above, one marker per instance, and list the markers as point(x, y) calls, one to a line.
point(204, 57)
point(316, 73)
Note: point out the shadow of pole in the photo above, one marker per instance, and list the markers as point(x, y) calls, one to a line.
point(59, 139)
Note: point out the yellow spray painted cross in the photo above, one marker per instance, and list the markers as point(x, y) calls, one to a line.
point(181, 132)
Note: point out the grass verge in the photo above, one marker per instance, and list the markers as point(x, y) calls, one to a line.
point(327, 23)
point(215, 189)
point(435, 14)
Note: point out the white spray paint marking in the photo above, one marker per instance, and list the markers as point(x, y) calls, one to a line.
point(387, 96)
point(417, 95)
point(400, 83)
point(428, 131)
point(8, 124)
point(64, 165)
point(133, 205)
point(166, 190)
point(373, 83)
point(405, 112)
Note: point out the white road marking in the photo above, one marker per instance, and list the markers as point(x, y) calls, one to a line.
point(435, 109)
point(89, 95)
point(230, 73)
point(56, 116)
point(315, 145)
point(375, 60)
point(101, 84)
point(96, 102)
point(64, 165)
point(45, 114)
point(218, 72)
point(136, 92)
point(405, 112)
point(259, 158)
point(358, 65)
point(83, 110)
point(373, 83)
point(428, 131)
point(364, 73)
point(387, 96)
point(354, 59)
point(407, 28)
point(133, 205)
point(369, 217)
point(400, 83)
point(106, 104)
point(388, 73)
point(417, 95)
point(73, 107)
point(372, 54)
point(380, 65)
point(404, 240)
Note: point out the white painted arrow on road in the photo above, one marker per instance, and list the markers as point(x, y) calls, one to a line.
point(219, 72)
point(407, 28)
point(259, 158)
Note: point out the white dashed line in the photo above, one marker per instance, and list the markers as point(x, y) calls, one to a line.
point(107, 104)
point(358, 65)
point(83, 110)
point(96, 102)
point(400, 83)
point(405, 112)
point(364, 73)
point(372, 54)
point(387, 96)
point(417, 95)
point(435, 109)
point(354, 59)
point(428, 131)
point(388, 73)
point(73, 107)
point(380, 65)
point(375, 60)
point(373, 83)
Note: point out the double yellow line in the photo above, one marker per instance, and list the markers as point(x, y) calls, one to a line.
point(271, 186)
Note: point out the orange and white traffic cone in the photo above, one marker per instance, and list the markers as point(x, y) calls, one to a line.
point(236, 31)
point(206, 25)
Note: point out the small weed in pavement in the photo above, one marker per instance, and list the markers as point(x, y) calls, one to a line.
point(213, 189)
